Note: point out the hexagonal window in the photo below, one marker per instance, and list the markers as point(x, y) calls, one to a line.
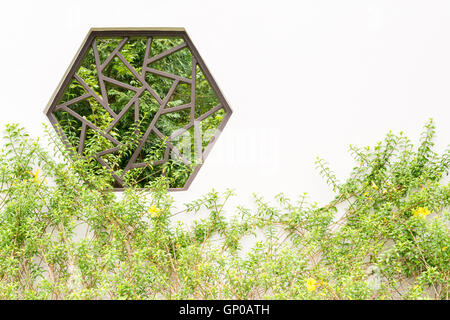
point(142, 103)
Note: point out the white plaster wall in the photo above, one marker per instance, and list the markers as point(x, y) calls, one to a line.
point(336, 73)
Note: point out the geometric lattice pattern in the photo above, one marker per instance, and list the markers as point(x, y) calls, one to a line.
point(141, 102)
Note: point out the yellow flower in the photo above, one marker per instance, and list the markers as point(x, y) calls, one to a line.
point(374, 185)
point(311, 284)
point(35, 176)
point(421, 212)
point(154, 211)
point(444, 248)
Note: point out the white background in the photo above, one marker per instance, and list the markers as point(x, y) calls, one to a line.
point(304, 78)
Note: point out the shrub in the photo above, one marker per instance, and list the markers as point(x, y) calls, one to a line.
point(63, 235)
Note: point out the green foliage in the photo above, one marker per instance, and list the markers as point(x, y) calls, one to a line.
point(384, 236)
point(133, 124)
